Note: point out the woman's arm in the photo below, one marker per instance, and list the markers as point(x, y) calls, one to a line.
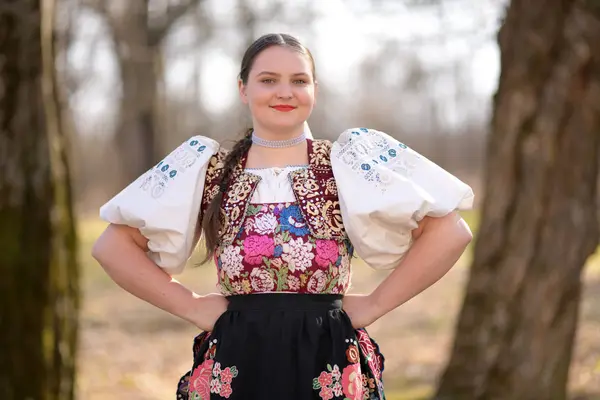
point(121, 251)
point(438, 244)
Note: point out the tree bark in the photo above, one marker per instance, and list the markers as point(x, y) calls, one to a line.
point(39, 285)
point(515, 332)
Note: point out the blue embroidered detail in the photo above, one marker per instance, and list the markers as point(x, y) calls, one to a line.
point(365, 167)
point(201, 149)
point(364, 130)
point(383, 158)
point(402, 145)
point(165, 168)
point(173, 173)
point(392, 153)
point(193, 143)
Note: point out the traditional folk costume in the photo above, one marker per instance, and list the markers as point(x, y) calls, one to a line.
point(284, 259)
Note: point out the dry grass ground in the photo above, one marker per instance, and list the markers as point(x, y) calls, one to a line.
point(130, 350)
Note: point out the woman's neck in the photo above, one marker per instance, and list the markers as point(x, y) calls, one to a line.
point(277, 135)
point(265, 157)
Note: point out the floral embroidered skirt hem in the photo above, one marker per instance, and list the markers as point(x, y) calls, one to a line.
point(284, 346)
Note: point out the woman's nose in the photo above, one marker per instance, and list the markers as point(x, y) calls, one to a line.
point(284, 91)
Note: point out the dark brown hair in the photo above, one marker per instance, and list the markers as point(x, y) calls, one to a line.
point(211, 223)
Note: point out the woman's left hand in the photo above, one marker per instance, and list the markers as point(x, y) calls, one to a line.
point(361, 309)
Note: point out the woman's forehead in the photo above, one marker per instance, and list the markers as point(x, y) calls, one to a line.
point(279, 60)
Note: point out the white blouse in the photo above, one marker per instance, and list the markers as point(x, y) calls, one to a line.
point(275, 185)
point(384, 189)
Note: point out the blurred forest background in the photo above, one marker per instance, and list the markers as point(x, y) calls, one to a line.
point(94, 92)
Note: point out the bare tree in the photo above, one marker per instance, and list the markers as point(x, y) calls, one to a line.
point(137, 29)
point(515, 332)
point(39, 285)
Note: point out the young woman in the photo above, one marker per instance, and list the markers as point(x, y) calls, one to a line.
point(282, 215)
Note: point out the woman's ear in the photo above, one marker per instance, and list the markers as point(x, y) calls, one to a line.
point(242, 90)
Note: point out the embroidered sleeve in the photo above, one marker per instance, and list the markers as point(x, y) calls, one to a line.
point(385, 188)
point(165, 203)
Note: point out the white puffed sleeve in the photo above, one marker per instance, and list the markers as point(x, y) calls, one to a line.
point(164, 203)
point(384, 189)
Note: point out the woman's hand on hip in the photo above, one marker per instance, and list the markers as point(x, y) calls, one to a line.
point(361, 309)
point(208, 310)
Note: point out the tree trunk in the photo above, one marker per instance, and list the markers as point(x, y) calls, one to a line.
point(137, 55)
point(137, 134)
point(39, 284)
point(515, 332)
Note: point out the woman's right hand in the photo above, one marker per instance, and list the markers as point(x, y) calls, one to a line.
point(208, 310)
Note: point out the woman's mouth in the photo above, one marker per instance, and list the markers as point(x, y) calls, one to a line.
point(283, 108)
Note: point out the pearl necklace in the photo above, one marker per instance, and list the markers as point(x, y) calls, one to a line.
point(278, 144)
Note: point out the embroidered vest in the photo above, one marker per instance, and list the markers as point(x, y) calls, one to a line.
point(314, 188)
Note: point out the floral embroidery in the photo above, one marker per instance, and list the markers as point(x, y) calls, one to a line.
point(213, 172)
point(352, 382)
point(355, 380)
point(333, 383)
point(371, 353)
point(200, 387)
point(314, 187)
point(327, 252)
point(231, 261)
point(316, 192)
point(288, 258)
point(352, 354)
point(261, 280)
point(209, 377)
point(235, 202)
point(298, 254)
point(257, 246)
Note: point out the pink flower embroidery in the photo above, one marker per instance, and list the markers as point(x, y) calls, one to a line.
point(256, 247)
point(226, 375)
point(325, 379)
point(200, 380)
point(261, 280)
point(337, 389)
point(317, 282)
point(226, 390)
point(327, 252)
point(326, 393)
point(352, 382)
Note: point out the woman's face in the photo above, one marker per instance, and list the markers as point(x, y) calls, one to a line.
point(280, 90)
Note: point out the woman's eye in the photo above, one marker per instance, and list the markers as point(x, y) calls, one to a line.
point(268, 80)
point(300, 82)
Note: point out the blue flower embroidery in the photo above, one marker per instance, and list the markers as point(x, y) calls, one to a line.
point(365, 167)
point(291, 220)
point(392, 153)
point(278, 251)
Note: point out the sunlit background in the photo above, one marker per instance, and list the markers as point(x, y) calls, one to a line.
point(423, 71)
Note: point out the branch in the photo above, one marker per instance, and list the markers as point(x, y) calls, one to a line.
point(172, 15)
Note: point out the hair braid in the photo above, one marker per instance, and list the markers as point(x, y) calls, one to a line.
point(212, 223)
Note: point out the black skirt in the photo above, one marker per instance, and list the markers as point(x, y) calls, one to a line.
point(284, 346)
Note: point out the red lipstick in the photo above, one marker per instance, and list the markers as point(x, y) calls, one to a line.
point(283, 108)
